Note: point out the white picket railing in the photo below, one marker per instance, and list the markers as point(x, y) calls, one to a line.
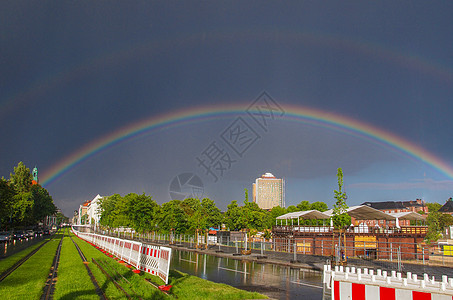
point(356, 283)
point(148, 258)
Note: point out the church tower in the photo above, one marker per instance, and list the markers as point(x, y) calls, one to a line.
point(35, 176)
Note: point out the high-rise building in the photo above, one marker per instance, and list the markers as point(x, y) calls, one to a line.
point(269, 191)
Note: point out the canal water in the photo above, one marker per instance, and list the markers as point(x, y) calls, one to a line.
point(274, 281)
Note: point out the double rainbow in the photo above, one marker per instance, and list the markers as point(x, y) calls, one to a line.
point(292, 113)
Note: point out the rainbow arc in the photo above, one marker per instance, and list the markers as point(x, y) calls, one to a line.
point(293, 113)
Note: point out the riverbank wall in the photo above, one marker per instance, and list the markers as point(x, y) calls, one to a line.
point(305, 261)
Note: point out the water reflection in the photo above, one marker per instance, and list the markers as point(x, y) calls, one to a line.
point(278, 282)
point(14, 246)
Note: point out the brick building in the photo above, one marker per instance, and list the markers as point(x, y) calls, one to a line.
point(396, 207)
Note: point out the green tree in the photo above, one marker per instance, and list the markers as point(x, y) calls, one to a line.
point(190, 205)
point(445, 220)
point(340, 217)
point(437, 222)
point(292, 208)
point(173, 217)
point(43, 205)
point(194, 214)
point(22, 209)
point(121, 213)
point(275, 212)
point(434, 229)
point(21, 179)
point(233, 216)
point(61, 218)
point(141, 211)
point(106, 211)
point(433, 206)
point(214, 216)
point(320, 206)
point(253, 217)
point(248, 216)
point(22, 203)
point(304, 206)
point(6, 202)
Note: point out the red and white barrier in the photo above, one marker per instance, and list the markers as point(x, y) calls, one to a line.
point(155, 260)
point(151, 259)
point(358, 284)
point(164, 262)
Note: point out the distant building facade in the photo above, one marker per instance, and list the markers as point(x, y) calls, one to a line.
point(50, 221)
point(82, 212)
point(89, 212)
point(75, 218)
point(396, 207)
point(93, 211)
point(269, 191)
point(447, 208)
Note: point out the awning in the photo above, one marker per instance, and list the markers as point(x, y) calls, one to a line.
point(364, 212)
point(408, 215)
point(307, 214)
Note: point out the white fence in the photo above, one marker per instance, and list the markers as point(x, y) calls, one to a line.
point(151, 259)
point(352, 283)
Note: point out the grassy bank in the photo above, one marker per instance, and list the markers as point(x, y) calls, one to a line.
point(184, 286)
point(28, 280)
point(191, 287)
point(73, 279)
point(9, 261)
point(106, 285)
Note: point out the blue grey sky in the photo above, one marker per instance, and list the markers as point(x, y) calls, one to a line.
point(74, 72)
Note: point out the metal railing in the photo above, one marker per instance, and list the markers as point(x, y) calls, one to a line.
point(403, 230)
point(360, 253)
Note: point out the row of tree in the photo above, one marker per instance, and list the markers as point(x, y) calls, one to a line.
point(142, 213)
point(23, 203)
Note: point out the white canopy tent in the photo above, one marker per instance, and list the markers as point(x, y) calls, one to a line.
point(365, 212)
point(307, 215)
point(407, 215)
point(359, 212)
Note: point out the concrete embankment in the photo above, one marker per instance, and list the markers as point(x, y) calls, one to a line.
point(314, 262)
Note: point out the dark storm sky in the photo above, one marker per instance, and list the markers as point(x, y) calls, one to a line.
point(73, 72)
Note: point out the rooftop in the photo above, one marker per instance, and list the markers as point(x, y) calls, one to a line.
point(447, 207)
point(268, 175)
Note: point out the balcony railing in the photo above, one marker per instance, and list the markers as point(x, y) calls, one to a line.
point(403, 230)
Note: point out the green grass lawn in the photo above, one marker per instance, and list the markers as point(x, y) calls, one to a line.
point(73, 279)
point(184, 286)
point(106, 285)
point(134, 284)
point(9, 261)
point(192, 287)
point(28, 280)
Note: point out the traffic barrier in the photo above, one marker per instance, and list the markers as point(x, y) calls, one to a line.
point(155, 260)
point(149, 261)
point(148, 258)
point(164, 262)
point(354, 284)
